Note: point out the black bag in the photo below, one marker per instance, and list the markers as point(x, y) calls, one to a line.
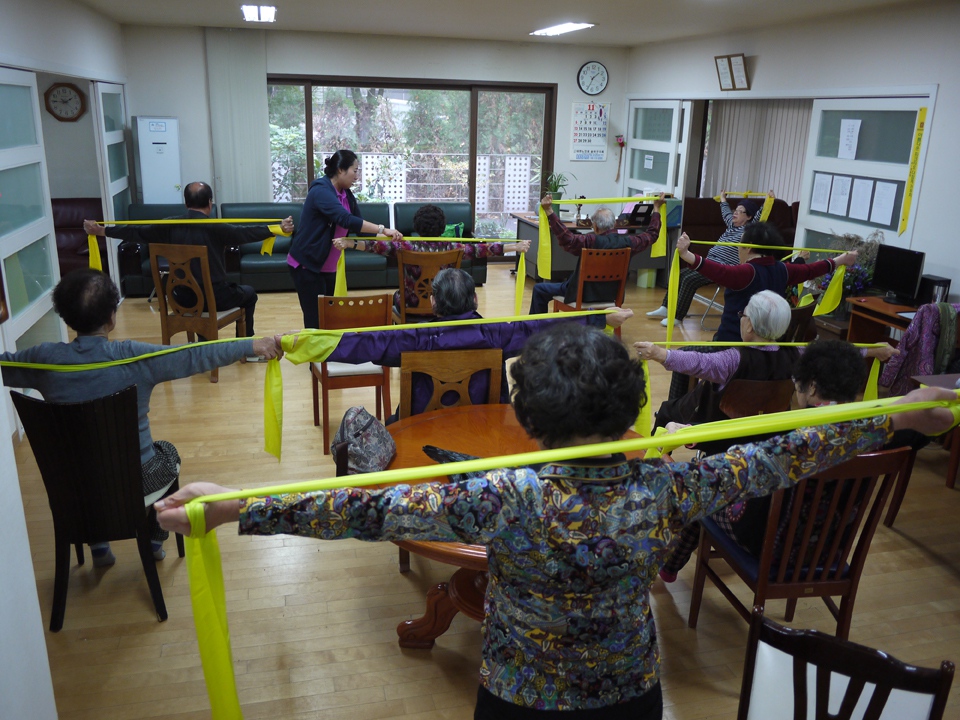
point(370, 447)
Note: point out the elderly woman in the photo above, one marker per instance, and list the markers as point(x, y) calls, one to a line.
point(747, 211)
point(428, 221)
point(765, 318)
point(759, 269)
point(573, 547)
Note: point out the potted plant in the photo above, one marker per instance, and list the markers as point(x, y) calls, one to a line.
point(555, 183)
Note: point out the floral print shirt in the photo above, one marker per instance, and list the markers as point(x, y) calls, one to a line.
point(573, 549)
point(388, 248)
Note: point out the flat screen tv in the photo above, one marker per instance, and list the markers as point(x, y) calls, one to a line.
point(898, 272)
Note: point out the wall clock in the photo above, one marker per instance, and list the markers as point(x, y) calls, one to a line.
point(592, 77)
point(65, 101)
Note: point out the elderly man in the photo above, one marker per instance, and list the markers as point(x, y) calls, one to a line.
point(198, 197)
point(603, 237)
point(87, 301)
point(454, 298)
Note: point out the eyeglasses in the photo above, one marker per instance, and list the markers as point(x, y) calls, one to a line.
point(743, 314)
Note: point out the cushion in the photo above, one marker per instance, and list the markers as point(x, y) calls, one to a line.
point(336, 369)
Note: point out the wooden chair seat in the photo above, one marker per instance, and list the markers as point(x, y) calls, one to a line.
point(792, 674)
point(430, 263)
point(343, 313)
point(200, 318)
point(810, 547)
point(599, 266)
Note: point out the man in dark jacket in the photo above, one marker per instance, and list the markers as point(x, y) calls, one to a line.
point(603, 237)
point(198, 197)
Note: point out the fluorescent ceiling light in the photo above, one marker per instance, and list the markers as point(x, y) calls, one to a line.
point(561, 29)
point(259, 13)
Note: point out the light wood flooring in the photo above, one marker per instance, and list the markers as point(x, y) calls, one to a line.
point(313, 623)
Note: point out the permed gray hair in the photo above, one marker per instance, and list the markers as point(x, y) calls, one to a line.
point(454, 292)
point(769, 314)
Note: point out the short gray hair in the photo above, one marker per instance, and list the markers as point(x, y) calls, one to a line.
point(604, 220)
point(769, 314)
point(454, 292)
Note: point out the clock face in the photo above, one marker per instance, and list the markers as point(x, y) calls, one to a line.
point(65, 101)
point(592, 78)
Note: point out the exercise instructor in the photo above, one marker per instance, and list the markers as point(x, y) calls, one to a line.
point(329, 211)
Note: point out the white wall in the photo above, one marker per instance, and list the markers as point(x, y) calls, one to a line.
point(898, 47)
point(60, 36)
point(70, 147)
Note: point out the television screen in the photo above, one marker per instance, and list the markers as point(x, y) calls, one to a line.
point(898, 273)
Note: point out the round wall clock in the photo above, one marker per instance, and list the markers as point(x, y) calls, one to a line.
point(65, 101)
point(592, 78)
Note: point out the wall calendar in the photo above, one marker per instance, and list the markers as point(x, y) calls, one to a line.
point(589, 141)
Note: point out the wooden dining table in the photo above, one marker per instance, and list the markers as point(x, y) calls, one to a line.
point(480, 430)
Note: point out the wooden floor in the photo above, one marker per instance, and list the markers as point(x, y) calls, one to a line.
point(313, 623)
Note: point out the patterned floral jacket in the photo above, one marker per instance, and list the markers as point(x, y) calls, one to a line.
point(572, 548)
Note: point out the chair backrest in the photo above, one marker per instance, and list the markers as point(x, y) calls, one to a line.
point(342, 312)
point(89, 458)
point(801, 328)
point(451, 371)
point(811, 534)
point(746, 398)
point(377, 213)
point(604, 266)
point(835, 678)
point(176, 314)
point(430, 263)
point(159, 211)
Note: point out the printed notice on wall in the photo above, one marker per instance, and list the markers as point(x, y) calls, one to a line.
point(821, 192)
point(849, 137)
point(883, 199)
point(839, 195)
point(860, 199)
point(589, 141)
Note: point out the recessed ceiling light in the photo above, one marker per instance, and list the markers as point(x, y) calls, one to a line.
point(561, 29)
point(259, 13)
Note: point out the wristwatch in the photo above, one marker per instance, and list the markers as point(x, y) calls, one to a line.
point(380, 230)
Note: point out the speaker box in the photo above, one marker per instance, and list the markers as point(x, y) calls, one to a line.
point(933, 289)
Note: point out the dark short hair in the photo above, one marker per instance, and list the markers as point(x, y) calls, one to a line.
point(575, 381)
point(197, 195)
point(763, 233)
point(454, 291)
point(429, 221)
point(86, 299)
point(340, 160)
point(835, 366)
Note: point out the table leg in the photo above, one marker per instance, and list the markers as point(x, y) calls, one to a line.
point(463, 593)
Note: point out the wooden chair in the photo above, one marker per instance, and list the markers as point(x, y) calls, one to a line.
point(193, 319)
point(451, 371)
point(801, 328)
point(747, 398)
point(803, 556)
point(341, 313)
point(610, 266)
point(430, 263)
point(791, 674)
point(89, 458)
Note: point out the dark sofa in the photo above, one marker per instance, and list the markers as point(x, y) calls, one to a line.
point(702, 220)
point(68, 216)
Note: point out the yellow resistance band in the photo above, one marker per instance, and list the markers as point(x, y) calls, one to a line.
point(206, 579)
point(266, 248)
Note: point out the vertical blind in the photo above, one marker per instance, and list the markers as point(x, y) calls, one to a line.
point(757, 145)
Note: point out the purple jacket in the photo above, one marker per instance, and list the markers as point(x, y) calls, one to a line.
point(918, 348)
point(384, 347)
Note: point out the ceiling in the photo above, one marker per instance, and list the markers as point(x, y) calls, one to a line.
point(624, 23)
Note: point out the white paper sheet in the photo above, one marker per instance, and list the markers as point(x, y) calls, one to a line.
point(821, 192)
point(839, 195)
point(883, 199)
point(860, 199)
point(849, 136)
point(648, 162)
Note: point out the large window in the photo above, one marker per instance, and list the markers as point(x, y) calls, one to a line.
point(485, 144)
